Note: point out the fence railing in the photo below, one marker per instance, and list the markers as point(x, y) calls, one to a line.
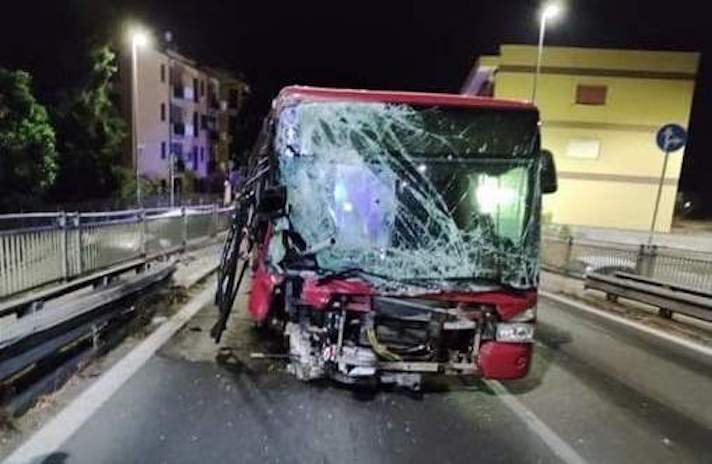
point(574, 256)
point(41, 248)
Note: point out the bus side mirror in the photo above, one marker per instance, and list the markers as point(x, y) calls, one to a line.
point(549, 181)
point(272, 200)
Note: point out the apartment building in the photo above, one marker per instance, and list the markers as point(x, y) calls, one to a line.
point(232, 94)
point(178, 118)
point(600, 110)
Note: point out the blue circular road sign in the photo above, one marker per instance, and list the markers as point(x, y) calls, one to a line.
point(671, 137)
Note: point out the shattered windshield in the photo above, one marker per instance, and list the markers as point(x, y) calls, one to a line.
point(444, 195)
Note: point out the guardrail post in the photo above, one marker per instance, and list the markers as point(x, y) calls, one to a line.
point(645, 260)
point(143, 230)
point(184, 214)
point(214, 223)
point(62, 222)
point(80, 254)
point(569, 252)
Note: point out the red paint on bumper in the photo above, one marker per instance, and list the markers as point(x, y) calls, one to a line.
point(501, 361)
point(507, 305)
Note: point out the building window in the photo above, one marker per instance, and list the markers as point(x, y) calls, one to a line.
point(195, 89)
point(591, 94)
point(202, 154)
point(163, 150)
point(163, 111)
point(583, 148)
point(195, 123)
point(202, 88)
point(163, 73)
point(195, 157)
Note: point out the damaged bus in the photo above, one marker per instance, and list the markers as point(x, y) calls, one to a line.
point(392, 235)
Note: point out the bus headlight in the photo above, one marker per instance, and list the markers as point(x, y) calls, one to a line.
point(517, 332)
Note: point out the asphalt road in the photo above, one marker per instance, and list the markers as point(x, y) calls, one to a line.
point(608, 393)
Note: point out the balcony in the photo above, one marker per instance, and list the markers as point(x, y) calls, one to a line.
point(180, 165)
point(179, 128)
point(213, 102)
point(189, 93)
point(177, 114)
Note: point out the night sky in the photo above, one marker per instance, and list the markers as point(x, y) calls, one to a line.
point(426, 45)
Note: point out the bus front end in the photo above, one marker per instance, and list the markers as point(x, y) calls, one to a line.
point(406, 239)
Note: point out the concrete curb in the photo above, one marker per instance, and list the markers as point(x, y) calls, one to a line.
point(193, 279)
point(193, 272)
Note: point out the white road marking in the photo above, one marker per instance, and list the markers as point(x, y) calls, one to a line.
point(52, 435)
point(688, 344)
point(559, 447)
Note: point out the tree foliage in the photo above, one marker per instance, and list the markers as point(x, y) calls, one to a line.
point(28, 157)
point(91, 134)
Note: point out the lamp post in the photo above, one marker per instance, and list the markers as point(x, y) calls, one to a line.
point(138, 39)
point(171, 154)
point(550, 11)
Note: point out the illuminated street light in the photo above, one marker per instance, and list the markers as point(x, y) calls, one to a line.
point(549, 12)
point(139, 39)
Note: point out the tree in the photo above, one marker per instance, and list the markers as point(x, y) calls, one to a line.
point(28, 158)
point(91, 134)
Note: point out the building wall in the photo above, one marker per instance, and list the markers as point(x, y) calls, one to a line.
point(645, 90)
point(151, 130)
point(159, 74)
point(194, 147)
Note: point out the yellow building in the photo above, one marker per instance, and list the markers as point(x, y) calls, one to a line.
point(600, 112)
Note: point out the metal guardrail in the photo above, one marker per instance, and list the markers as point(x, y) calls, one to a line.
point(37, 249)
point(668, 298)
point(43, 347)
point(576, 256)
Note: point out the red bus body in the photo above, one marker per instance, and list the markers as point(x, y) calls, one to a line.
point(346, 301)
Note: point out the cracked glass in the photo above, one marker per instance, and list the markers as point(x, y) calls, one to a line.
point(447, 197)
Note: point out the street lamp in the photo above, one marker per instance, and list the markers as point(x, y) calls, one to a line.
point(550, 11)
point(139, 38)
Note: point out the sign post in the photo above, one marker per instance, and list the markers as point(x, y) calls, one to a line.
point(670, 138)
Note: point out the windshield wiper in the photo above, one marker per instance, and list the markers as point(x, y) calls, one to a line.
point(453, 279)
point(478, 281)
point(357, 271)
point(349, 272)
